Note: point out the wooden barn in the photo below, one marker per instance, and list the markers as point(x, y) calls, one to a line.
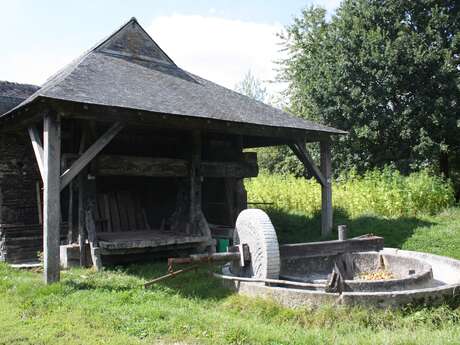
point(122, 153)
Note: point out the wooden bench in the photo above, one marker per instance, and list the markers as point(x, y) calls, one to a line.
point(119, 225)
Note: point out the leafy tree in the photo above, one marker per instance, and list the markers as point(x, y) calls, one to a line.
point(388, 72)
point(252, 87)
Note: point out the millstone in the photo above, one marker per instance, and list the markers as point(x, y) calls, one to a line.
point(254, 228)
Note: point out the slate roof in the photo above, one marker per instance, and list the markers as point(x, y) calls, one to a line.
point(12, 94)
point(130, 70)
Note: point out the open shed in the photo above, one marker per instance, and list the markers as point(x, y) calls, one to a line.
point(135, 156)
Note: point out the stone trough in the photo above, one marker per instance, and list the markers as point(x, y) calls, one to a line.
point(419, 278)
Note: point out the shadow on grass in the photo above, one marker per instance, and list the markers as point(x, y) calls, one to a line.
point(292, 227)
point(197, 283)
point(194, 284)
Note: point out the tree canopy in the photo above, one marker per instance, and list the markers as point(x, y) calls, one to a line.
point(387, 71)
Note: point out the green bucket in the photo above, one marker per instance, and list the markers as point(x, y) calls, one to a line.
point(222, 244)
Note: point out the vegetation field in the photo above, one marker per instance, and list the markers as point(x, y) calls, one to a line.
point(112, 307)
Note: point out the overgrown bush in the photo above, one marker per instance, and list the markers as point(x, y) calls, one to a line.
point(382, 192)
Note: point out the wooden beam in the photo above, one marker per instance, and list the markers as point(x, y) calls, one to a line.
point(51, 198)
point(117, 165)
point(329, 248)
point(180, 122)
point(38, 149)
point(326, 189)
point(89, 154)
point(304, 156)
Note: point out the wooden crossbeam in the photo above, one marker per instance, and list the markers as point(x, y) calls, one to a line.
point(89, 154)
point(304, 156)
point(38, 148)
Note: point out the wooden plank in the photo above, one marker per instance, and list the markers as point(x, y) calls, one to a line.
point(108, 216)
point(328, 248)
point(139, 216)
point(146, 220)
point(149, 243)
point(99, 218)
point(326, 189)
point(130, 211)
point(37, 145)
point(114, 165)
point(124, 222)
point(89, 154)
point(140, 166)
point(229, 169)
point(52, 197)
point(180, 122)
point(115, 213)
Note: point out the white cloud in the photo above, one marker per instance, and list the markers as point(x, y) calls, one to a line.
point(219, 49)
point(32, 68)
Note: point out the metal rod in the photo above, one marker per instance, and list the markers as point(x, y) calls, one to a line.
point(270, 281)
point(169, 275)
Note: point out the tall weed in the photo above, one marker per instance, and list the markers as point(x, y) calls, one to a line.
point(382, 192)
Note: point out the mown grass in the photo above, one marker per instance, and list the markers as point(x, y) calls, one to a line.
point(111, 307)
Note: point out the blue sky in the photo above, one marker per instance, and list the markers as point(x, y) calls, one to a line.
point(219, 40)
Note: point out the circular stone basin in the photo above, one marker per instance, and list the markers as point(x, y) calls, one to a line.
point(418, 278)
point(407, 273)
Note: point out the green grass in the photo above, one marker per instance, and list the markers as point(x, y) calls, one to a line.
point(111, 307)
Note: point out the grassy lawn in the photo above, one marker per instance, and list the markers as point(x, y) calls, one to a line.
point(112, 307)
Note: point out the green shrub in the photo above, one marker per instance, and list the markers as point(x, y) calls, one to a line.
point(382, 192)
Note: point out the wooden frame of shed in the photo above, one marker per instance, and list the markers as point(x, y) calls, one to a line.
point(137, 155)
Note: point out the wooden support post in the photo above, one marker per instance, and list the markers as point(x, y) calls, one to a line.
point(70, 220)
point(91, 228)
point(51, 198)
point(81, 217)
point(230, 191)
point(195, 182)
point(241, 196)
point(326, 190)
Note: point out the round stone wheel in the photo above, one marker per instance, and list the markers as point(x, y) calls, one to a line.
point(254, 228)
